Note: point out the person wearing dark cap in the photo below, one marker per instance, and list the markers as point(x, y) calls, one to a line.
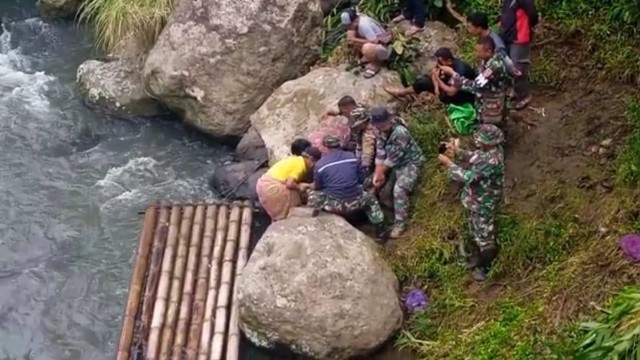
point(397, 154)
point(279, 188)
point(336, 186)
point(482, 179)
point(369, 38)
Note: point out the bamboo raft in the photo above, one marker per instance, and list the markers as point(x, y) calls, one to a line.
point(180, 303)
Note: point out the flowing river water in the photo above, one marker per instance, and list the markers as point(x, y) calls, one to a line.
point(72, 182)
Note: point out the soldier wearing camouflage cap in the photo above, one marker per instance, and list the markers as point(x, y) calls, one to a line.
point(481, 194)
point(337, 186)
point(397, 155)
point(363, 140)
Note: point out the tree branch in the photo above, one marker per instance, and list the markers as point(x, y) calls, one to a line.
point(454, 13)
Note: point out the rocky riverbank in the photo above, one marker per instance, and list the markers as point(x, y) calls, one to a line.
point(248, 72)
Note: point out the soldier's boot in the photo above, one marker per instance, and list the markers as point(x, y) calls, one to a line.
point(381, 234)
point(474, 257)
point(397, 231)
point(486, 258)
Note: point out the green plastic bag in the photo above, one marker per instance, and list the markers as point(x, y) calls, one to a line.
point(463, 118)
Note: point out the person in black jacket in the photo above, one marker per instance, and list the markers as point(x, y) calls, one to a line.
point(517, 21)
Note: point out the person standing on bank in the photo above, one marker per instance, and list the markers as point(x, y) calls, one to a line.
point(414, 11)
point(478, 25)
point(397, 152)
point(517, 20)
point(482, 188)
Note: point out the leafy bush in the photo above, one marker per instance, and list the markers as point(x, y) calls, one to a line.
point(616, 336)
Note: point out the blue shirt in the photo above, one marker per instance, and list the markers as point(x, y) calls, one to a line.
point(337, 174)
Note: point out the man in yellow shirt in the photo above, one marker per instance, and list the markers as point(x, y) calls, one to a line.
point(279, 188)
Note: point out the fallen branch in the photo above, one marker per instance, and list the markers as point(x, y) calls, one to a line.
point(454, 13)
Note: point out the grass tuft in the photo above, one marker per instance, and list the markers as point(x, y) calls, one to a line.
point(116, 21)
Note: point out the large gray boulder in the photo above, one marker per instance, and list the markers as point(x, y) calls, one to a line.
point(294, 110)
point(251, 147)
point(115, 83)
point(116, 87)
point(320, 287)
point(216, 61)
point(238, 180)
point(58, 8)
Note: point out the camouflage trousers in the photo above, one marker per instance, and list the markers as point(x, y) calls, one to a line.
point(482, 229)
point(366, 202)
point(406, 180)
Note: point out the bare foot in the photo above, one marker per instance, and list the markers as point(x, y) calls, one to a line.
point(393, 91)
point(397, 19)
point(413, 30)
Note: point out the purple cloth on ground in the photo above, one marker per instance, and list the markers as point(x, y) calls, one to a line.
point(416, 300)
point(630, 245)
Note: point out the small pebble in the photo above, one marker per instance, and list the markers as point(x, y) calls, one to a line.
point(606, 143)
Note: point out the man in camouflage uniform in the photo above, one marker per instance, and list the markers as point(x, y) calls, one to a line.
point(397, 151)
point(337, 186)
point(483, 184)
point(490, 86)
point(362, 140)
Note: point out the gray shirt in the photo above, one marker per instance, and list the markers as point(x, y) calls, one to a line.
point(370, 29)
point(497, 40)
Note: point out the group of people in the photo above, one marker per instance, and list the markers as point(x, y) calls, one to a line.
point(381, 152)
point(380, 155)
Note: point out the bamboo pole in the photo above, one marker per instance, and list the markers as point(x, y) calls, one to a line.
point(233, 339)
point(188, 286)
point(171, 317)
point(197, 312)
point(222, 306)
point(155, 267)
point(160, 307)
point(135, 287)
point(214, 274)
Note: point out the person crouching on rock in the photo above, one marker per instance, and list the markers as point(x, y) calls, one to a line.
point(370, 40)
point(482, 178)
point(336, 186)
point(362, 137)
point(397, 152)
point(279, 188)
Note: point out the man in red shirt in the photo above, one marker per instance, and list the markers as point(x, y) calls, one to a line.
point(517, 21)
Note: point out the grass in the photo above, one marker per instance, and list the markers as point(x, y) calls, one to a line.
point(556, 261)
point(133, 21)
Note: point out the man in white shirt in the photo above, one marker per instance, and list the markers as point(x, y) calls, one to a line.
point(368, 37)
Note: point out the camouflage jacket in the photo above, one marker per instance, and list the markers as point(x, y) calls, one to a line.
point(363, 140)
point(490, 88)
point(397, 147)
point(482, 179)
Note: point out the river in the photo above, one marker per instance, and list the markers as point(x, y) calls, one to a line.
point(71, 184)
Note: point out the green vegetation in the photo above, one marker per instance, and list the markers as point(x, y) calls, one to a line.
point(629, 157)
point(115, 21)
point(617, 335)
